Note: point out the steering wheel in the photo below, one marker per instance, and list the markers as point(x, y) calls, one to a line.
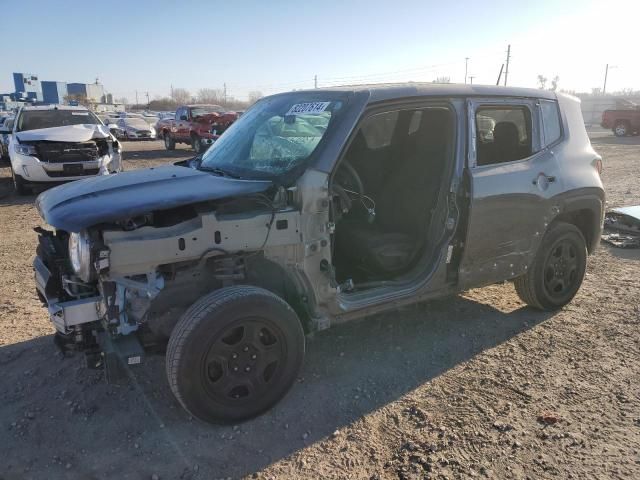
point(347, 177)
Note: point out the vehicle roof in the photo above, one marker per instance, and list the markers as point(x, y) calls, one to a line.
point(53, 107)
point(388, 91)
point(203, 105)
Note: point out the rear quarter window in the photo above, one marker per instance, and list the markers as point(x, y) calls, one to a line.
point(551, 128)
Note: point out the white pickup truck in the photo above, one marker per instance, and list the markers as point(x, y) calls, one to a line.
point(56, 144)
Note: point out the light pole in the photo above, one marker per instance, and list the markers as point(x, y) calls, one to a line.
point(606, 74)
point(466, 64)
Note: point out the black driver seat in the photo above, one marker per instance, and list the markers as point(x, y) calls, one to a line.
point(404, 204)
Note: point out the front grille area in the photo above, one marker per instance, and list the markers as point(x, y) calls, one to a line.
point(143, 133)
point(69, 152)
point(86, 171)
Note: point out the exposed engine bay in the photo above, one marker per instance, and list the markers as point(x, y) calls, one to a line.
point(97, 274)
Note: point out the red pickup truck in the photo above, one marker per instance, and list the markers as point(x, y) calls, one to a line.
point(622, 122)
point(197, 125)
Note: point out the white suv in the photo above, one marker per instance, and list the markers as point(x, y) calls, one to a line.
point(55, 143)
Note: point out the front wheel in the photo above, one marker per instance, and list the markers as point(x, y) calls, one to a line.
point(19, 184)
point(234, 354)
point(169, 143)
point(196, 144)
point(557, 271)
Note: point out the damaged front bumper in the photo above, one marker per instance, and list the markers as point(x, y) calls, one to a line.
point(64, 314)
point(80, 326)
point(32, 170)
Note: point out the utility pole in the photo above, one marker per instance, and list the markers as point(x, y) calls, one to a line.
point(315, 81)
point(506, 70)
point(466, 64)
point(606, 73)
point(136, 98)
point(224, 92)
point(172, 91)
point(471, 77)
point(147, 93)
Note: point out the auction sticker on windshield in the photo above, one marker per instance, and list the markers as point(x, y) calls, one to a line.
point(310, 108)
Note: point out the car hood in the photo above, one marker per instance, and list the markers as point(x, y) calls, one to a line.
point(78, 205)
point(69, 133)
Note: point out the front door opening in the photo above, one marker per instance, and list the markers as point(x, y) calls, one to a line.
point(385, 195)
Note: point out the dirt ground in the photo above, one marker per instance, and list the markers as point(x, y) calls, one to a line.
point(472, 386)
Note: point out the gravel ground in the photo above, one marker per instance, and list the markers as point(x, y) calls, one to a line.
point(471, 386)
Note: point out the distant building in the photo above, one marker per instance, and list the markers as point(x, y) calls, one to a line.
point(79, 89)
point(95, 92)
point(30, 90)
point(54, 92)
point(27, 86)
point(92, 91)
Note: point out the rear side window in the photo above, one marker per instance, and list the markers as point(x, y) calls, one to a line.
point(550, 121)
point(503, 134)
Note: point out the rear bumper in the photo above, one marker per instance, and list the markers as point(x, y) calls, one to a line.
point(67, 314)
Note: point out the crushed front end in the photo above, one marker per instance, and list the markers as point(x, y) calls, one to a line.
point(87, 311)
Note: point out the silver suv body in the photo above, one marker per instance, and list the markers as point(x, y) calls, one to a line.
point(314, 208)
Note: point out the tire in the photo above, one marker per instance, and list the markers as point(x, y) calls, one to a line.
point(169, 143)
point(19, 185)
point(557, 270)
point(234, 353)
point(196, 144)
point(621, 129)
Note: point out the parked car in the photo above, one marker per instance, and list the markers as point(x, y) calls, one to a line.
point(283, 228)
point(112, 124)
point(136, 128)
point(622, 122)
point(197, 125)
point(56, 143)
point(151, 120)
point(6, 126)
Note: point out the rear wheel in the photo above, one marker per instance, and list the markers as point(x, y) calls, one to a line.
point(557, 271)
point(234, 354)
point(621, 129)
point(169, 143)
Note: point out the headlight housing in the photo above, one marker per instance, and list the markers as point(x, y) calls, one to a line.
point(25, 149)
point(80, 254)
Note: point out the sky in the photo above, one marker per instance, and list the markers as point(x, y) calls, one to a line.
point(277, 45)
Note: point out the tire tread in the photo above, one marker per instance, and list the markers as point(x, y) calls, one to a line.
point(192, 317)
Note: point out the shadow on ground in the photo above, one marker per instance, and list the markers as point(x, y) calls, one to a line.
point(138, 429)
point(613, 140)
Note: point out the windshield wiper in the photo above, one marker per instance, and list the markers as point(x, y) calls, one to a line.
point(220, 172)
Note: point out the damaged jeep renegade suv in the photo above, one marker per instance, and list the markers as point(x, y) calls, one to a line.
point(314, 208)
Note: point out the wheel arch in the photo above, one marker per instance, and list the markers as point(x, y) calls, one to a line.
point(264, 273)
point(587, 214)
